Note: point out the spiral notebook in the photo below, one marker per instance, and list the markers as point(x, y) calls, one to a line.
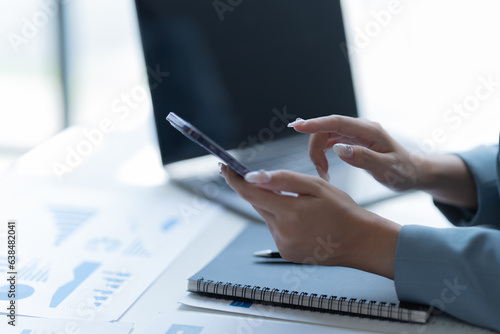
point(238, 275)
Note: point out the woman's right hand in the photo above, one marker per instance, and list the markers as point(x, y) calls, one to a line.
point(363, 144)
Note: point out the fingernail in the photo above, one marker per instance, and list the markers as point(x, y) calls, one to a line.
point(296, 122)
point(322, 174)
point(220, 167)
point(258, 177)
point(343, 150)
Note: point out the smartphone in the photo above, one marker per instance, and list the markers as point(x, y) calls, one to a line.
point(208, 144)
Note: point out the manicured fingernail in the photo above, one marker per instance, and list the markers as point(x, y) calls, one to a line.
point(322, 174)
point(296, 122)
point(343, 150)
point(220, 167)
point(258, 177)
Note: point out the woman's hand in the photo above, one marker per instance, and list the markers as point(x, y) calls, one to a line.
point(364, 144)
point(321, 225)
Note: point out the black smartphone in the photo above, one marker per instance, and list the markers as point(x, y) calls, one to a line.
point(208, 144)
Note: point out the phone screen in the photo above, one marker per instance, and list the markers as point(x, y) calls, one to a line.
point(208, 144)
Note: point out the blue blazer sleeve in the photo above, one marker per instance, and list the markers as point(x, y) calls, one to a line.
point(458, 269)
point(454, 269)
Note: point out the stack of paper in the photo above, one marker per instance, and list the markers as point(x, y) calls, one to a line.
point(87, 254)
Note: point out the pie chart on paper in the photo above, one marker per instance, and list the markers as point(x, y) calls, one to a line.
point(22, 291)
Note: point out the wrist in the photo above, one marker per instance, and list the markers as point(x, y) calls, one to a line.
point(447, 179)
point(375, 246)
point(425, 174)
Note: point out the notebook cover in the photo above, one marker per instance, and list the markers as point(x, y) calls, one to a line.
point(238, 266)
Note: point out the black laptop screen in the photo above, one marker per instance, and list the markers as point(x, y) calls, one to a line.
point(240, 70)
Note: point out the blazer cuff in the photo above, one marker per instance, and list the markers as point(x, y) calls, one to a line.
point(482, 163)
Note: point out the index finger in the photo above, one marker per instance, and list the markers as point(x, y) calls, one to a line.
point(355, 130)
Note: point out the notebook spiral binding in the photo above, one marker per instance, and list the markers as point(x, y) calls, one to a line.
point(310, 301)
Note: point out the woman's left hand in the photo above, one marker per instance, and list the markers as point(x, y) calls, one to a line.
point(321, 225)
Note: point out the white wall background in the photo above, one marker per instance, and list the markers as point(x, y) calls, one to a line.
point(426, 59)
point(30, 92)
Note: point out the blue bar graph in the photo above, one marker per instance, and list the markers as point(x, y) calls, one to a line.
point(113, 281)
point(68, 220)
point(27, 270)
point(84, 270)
point(116, 273)
point(136, 248)
point(104, 292)
point(106, 244)
point(34, 271)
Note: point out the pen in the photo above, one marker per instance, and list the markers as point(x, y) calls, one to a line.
point(268, 254)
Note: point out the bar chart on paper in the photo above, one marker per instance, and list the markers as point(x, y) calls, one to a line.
point(111, 283)
point(35, 271)
point(68, 220)
point(95, 252)
point(137, 248)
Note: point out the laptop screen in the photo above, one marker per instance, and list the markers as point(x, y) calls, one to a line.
point(240, 70)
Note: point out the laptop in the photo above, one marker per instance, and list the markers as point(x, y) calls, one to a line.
point(240, 71)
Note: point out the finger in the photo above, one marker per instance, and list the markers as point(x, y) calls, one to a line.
point(256, 196)
point(318, 145)
point(287, 181)
point(364, 132)
point(361, 157)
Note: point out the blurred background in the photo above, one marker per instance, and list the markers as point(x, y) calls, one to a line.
point(414, 62)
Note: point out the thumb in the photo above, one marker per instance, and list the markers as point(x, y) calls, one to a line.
point(285, 181)
point(359, 156)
